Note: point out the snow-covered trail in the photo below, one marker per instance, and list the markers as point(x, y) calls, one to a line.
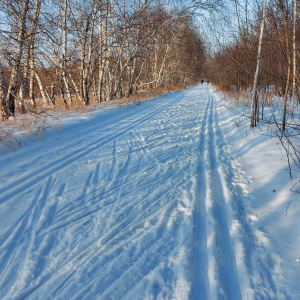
point(131, 203)
point(222, 270)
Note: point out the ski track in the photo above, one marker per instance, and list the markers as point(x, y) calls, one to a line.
point(228, 285)
point(131, 210)
point(71, 157)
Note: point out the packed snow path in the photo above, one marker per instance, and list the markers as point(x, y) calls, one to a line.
point(131, 203)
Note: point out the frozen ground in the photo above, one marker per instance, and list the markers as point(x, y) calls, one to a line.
point(173, 198)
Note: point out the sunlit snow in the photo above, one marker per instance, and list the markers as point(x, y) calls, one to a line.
point(165, 199)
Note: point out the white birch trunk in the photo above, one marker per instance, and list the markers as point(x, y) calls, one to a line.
point(31, 80)
point(11, 93)
point(76, 88)
point(64, 57)
point(253, 94)
point(29, 64)
point(44, 93)
point(288, 58)
point(101, 39)
point(294, 58)
point(2, 98)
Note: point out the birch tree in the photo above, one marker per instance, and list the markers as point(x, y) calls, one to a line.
point(254, 100)
point(84, 19)
point(94, 49)
point(64, 84)
point(103, 48)
point(19, 13)
point(28, 68)
point(283, 7)
point(2, 97)
point(294, 58)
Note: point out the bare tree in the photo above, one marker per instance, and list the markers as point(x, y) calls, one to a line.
point(254, 98)
point(2, 97)
point(283, 8)
point(294, 58)
point(96, 49)
point(64, 84)
point(28, 68)
point(84, 20)
point(19, 13)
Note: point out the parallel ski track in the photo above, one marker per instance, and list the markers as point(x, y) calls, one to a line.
point(17, 187)
point(210, 220)
point(227, 277)
point(201, 285)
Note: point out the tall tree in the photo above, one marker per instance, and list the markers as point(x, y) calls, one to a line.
point(28, 68)
point(2, 97)
point(284, 11)
point(254, 96)
point(294, 58)
point(19, 13)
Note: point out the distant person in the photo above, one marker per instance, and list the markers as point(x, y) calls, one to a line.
point(207, 82)
point(202, 81)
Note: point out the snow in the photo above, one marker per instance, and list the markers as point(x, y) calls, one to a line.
point(170, 198)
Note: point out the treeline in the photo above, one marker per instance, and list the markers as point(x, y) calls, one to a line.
point(234, 65)
point(92, 50)
point(262, 65)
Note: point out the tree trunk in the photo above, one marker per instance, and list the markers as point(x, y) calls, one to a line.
point(254, 89)
point(45, 95)
point(2, 97)
point(28, 74)
point(76, 88)
point(11, 92)
point(288, 58)
point(64, 80)
point(294, 59)
point(31, 79)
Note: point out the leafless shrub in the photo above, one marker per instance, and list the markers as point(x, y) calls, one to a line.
point(23, 128)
